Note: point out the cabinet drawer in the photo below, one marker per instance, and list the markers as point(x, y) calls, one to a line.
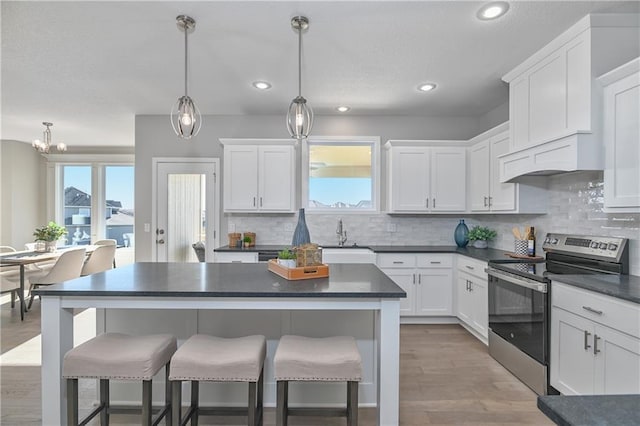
point(472, 266)
point(231, 257)
point(434, 260)
point(393, 260)
point(618, 314)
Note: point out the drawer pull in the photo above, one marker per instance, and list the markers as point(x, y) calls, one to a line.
point(419, 279)
point(586, 340)
point(595, 344)
point(414, 278)
point(398, 262)
point(590, 309)
point(469, 267)
point(435, 263)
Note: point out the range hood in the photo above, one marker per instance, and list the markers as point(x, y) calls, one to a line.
point(574, 152)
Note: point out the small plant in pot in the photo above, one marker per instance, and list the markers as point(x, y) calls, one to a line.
point(50, 235)
point(247, 241)
point(480, 235)
point(287, 258)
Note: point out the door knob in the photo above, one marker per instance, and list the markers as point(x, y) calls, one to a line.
point(160, 241)
point(159, 231)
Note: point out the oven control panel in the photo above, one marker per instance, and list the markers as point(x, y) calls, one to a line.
point(609, 247)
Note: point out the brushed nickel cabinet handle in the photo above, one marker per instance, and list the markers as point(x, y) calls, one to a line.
point(427, 203)
point(434, 203)
point(490, 201)
point(586, 340)
point(433, 262)
point(260, 201)
point(254, 201)
point(419, 279)
point(485, 202)
point(398, 262)
point(595, 344)
point(414, 278)
point(590, 309)
point(470, 267)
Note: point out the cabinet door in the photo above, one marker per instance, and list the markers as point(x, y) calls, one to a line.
point(465, 306)
point(409, 178)
point(276, 180)
point(503, 195)
point(479, 161)
point(548, 99)
point(519, 113)
point(448, 179)
point(240, 178)
point(480, 308)
point(434, 292)
point(622, 136)
point(572, 361)
point(617, 362)
point(406, 279)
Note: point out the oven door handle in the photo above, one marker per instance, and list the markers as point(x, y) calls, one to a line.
point(513, 279)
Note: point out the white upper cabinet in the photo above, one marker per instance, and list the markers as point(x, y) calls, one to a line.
point(554, 107)
point(259, 175)
point(426, 179)
point(486, 193)
point(622, 138)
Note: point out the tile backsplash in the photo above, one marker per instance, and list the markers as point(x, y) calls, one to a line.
point(575, 207)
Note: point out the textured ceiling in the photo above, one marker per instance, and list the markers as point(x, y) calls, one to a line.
point(90, 67)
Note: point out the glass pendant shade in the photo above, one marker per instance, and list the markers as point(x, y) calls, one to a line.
point(185, 118)
point(299, 118)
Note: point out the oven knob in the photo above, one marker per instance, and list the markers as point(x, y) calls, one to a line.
point(603, 246)
point(613, 246)
point(554, 241)
point(594, 245)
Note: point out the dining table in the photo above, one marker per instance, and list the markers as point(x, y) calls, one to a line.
point(29, 257)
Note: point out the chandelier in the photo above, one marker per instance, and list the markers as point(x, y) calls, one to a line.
point(300, 115)
point(185, 115)
point(45, 144)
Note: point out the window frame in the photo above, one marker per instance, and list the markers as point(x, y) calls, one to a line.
point(373, 141)
point(55, 184)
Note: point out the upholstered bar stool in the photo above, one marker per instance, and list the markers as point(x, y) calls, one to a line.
point(204, 358)
point(330, 359)
point(115, 356)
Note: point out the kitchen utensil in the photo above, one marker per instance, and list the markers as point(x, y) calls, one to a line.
point(516, 233)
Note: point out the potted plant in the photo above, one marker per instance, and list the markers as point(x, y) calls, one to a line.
point(247, 241)
point(50, 235)
point(287, 258)
point(480, 235)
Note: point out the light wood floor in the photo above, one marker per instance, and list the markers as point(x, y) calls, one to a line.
point(446, 378)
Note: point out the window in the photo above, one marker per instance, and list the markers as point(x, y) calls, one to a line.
point(119, 213)
point(77, 203)
point(341, 174)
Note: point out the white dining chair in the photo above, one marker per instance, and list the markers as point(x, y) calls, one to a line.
point(107, 242)
point(67, 267)
point(8, 285)
point(101, 259)
point(40, 267)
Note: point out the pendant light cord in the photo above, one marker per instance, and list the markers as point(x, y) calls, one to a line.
point(186, 47)
point(300, 60)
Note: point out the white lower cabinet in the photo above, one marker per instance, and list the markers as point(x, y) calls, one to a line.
point(589, 352)
point(235, 257)
point(427, 280)
point(473, 296)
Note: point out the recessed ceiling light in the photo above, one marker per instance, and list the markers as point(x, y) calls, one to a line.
point(343, 108)
point(427, 87)
point(493, 10)
point(261, 85)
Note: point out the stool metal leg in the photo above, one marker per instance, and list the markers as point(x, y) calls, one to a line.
point(260, 398)
point(352, 403)
point(176, 403)
point(168, 397)
point(252, 404)
point(104, 402)
point(72, 402)
point(282, 403)
point(146, 403)
point(195, 392)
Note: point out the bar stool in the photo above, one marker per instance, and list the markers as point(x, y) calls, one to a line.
point(328, 359)
point(205, 358)
point(115, 356)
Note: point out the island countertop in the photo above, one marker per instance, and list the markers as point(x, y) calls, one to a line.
point(227, 280)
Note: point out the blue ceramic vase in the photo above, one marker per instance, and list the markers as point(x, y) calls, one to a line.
point(461, 233)
point(301, 233)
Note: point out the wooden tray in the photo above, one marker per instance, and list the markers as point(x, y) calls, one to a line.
point(524, 256)
point(302, 273)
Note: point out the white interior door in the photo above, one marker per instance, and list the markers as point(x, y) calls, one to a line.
point(186, 203)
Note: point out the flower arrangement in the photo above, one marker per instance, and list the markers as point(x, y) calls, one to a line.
point(51, 232)
point(480, 235)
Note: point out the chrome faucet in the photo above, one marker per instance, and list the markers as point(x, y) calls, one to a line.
point(342, 234)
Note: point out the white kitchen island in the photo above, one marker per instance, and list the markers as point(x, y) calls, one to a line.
point(235, 298)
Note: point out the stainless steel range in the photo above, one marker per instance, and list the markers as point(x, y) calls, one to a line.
point(519, 299)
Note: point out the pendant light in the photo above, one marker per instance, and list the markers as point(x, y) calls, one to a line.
point(45, 144)
point(185, 115)
point(300, 115)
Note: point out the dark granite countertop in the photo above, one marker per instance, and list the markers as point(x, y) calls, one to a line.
point(480, 254)
point(600, 410)
point(625, 287)
point(227, 280)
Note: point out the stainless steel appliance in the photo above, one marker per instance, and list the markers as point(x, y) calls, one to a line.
point(266, 255)
point(519, 299)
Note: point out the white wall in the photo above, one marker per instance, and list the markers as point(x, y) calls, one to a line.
point(22, 198)
point(155, 138)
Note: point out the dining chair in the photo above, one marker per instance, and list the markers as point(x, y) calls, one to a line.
point(107, 242)
point(101, 259)
point(7, 249)
point(8, 285)
point(38, 268)
point(67, 267)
